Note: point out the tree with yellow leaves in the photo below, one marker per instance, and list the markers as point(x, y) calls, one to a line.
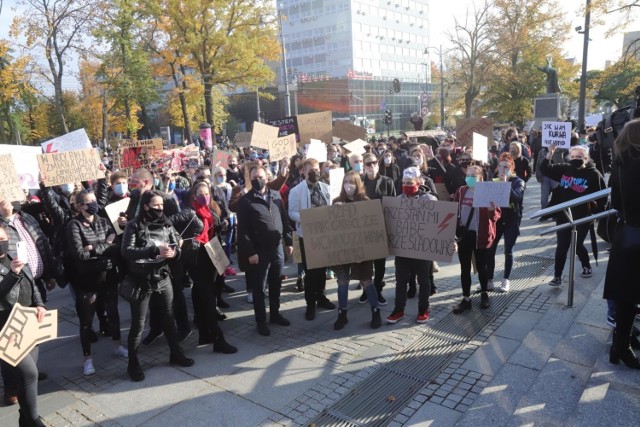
point(14, 86)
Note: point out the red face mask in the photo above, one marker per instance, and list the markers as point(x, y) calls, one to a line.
point(410, 190)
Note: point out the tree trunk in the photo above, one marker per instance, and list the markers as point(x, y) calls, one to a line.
point(127, 115)
point(208, 100)
point(183, 105)
point(468, 105)
point(105, 118)
point(57, 84)
point(145, 122)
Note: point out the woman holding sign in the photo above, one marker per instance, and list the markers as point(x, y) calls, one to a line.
point(353, 190)
point(508, 224)
point(476, 233)
point(17, 286)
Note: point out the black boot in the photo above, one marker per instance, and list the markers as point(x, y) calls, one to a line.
point(221, 346)
point(134, 370)
point(180, 360)
point(464, 305)
point(342, 320)
point(376, 321)
point(621, 350)
point(300, 284)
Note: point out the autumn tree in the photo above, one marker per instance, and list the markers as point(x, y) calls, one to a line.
point(227, 40)
point(54, 29)
point(473, 54)
point(14, 85)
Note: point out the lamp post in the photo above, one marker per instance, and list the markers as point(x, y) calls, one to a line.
point(285, 76)
point(259, 119)
point(439, 50)
point(583, 76)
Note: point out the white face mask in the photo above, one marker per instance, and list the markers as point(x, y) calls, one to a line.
point(418, 160)
point(350, 189)
point(387, 160)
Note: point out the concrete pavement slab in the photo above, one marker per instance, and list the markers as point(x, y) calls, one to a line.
point(535, 350)
point(582, 344)
point(518, 325)
point(431, 414)
point(491, 355)
point(605, 403)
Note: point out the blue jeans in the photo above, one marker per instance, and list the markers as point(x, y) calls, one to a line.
point(229, 240)
point(511, 231)
point(546, 186)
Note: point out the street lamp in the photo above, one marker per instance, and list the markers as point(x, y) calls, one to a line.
point(284, 66)
point(583, 76)
point(426, 50)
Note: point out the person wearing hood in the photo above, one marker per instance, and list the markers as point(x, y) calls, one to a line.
point(376, 186)
point(576, 178)
point(412, 188)
point(509, 223)
point(388, 166)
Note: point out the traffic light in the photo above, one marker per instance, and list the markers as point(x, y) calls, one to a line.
point(388, 117)
point(396, 85)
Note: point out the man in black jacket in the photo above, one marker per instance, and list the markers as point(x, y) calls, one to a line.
point(262, 224)
point(376, 186)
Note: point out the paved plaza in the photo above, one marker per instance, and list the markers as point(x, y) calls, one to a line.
point(527, 360)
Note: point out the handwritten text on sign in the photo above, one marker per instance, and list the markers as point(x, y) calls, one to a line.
point(70, 166)
point(286, 126)
point(282, 147)
point(556, 133)
point(9, 183)
point(420, 228)
point(262, 135)
point(344, 234)
point(486, 193)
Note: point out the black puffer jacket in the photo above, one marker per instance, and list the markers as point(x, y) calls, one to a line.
point(16, 288)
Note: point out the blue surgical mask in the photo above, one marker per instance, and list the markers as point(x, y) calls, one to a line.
point(120, 189)
point(471, 181)
point(357, 167)
point(156, 182)
point(220, 179)
point(67, 188)
point(171, 186)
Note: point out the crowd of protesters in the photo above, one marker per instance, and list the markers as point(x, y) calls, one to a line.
point(252, 207)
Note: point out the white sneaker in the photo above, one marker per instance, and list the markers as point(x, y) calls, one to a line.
point(250, 298)
point(88, 368)
point(490, 286)
point(436, 267)
point(121, 351)
point(504, 287)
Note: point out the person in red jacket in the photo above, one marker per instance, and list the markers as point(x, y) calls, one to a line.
point(475, 238)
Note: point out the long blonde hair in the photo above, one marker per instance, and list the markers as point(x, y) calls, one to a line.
point(628, 139)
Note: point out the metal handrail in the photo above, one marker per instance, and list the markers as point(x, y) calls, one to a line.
point(571, 203)
point(579, 221)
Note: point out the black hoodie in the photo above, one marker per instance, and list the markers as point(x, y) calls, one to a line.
point(573, 183)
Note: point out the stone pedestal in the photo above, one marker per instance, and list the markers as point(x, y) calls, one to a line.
point(551, 107)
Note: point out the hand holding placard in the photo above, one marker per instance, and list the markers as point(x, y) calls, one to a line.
point(22, 332)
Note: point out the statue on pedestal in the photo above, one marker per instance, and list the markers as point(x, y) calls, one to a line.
point(552, 76)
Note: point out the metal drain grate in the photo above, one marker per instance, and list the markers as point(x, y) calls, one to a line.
point(383, 394)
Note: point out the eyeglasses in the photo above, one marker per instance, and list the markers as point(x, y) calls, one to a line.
point(370, 163)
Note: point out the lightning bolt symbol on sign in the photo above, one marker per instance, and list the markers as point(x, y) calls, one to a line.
point(445, 222)
point(50, 149)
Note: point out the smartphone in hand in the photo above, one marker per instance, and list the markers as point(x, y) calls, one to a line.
point(21, 251)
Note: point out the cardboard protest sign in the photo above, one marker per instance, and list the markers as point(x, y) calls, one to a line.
point(76, 140)
point(443, 194)
point(22, 332)
point(348, 132)
point(243, 139)
point(297, 255)
point(315, 125)
point(318, 151)
point(529, 125)
point(419, 228)
point(262, 135)
point(113, 211)
point(335, 182)
point(286, 126)
point(136, 154)
point(177, 159)
point(220, 158)
point(218, 256)
point(466, 127)
point(556, 133)
point(9, 182)
point(70, 166)
point(281, 148)
point(356, 147)
point(25, 162)
point(486, 192)
point(344, 234)
point(480, 148)
point(423, 133)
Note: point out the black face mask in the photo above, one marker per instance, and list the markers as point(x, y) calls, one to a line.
point(4, 247)
point(258, 183)
point(232, 166)
point(312, 177)
point(576, 163)
point(154, 215)
point(17, 206)
point(91, 208)
point(465, 163)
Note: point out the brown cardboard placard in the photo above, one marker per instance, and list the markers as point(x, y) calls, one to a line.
point(419, 228)
point(344, 234)
point(9, 182)
point(22, 332)
point(70, 166)
point(315, 125)
point(262, 135)
point(443, 194)
point(243, 139)
point(297, 255)
point(218, 256)
point(348, 132)
point(152, 144)
point(281, 148)
point(466, 127)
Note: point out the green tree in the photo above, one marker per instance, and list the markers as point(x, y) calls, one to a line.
point(616, 84)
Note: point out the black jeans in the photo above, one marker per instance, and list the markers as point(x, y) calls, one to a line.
point(625, 317)
point(315, 279)
point(269, 269)
point(466, 249)
point(159, 301)
point(203, 296)
point(423, 269)
point(510, 232)
point(564, 244)
point(26, 373)
point(86, 304)
point(179, 302)
point(379, 267)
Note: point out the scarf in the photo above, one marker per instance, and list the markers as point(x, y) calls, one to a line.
point(208, 221)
